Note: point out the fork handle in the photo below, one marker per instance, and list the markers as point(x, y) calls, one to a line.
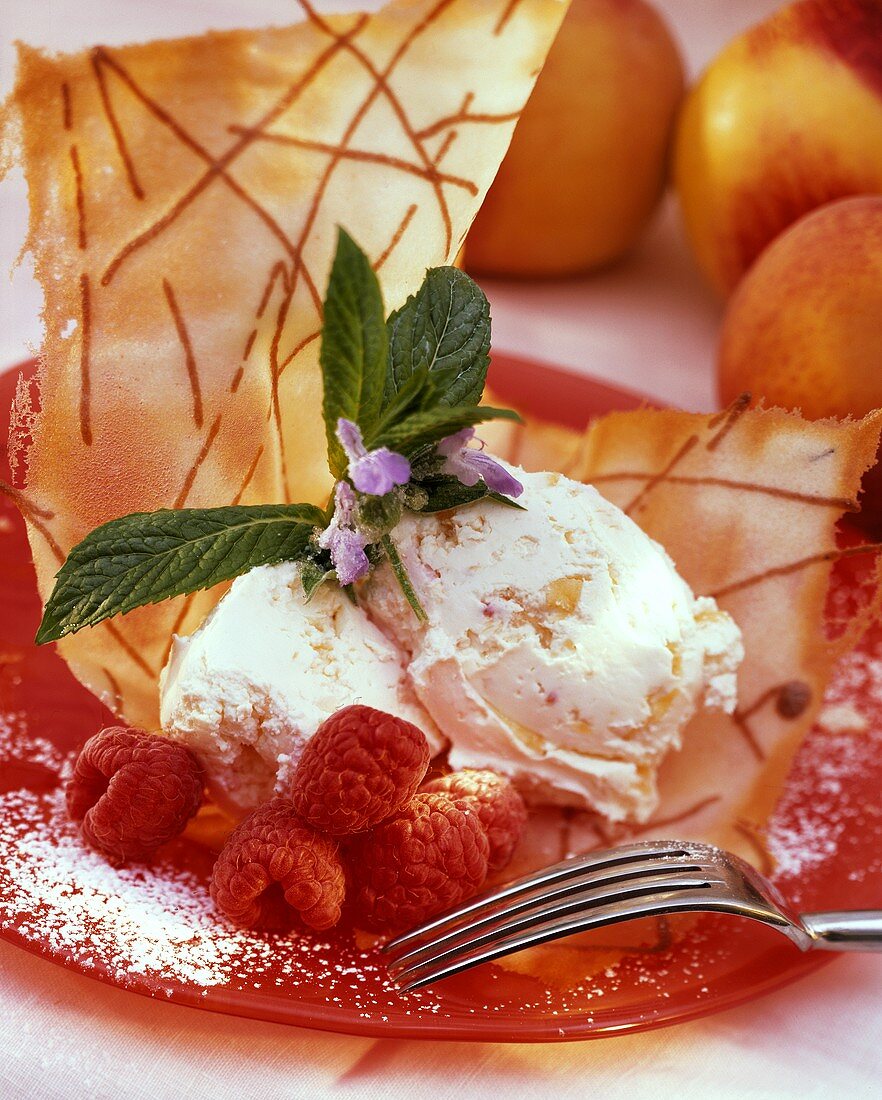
point(857, 930)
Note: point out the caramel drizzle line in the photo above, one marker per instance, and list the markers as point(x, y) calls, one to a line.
point(377, 264)
point(509, 10)
point(187, 139)
point(275, 374)
point(81, 202)
point(381, 85)
point(35, 516)
point(236, 149)
point(298, 348)
point(246, 481)
point(464, 115)
point(85, 364)
point(731, 417)
point(130, 650)
point(113, 121)
point(740, 717)
point(749, 736)
point(678, 818)
point(755, 838)
point(187, 345)
point(200, 458)
point(396, 237)
point(24, 504)
point(115, 689)
point(845, 504)
point(277, 270)
point(384, 160)
point(443, 149)
point(66, 111)
point(795, 566)
point(663, 474)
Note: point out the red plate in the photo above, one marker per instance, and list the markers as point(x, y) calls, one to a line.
point(153, 932)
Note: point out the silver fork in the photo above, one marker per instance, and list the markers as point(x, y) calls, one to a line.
point(650, 878)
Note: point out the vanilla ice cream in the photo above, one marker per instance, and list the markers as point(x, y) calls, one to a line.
point(247, 690)
point(562, 648)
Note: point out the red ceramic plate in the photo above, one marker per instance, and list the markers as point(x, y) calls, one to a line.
point(153, 931)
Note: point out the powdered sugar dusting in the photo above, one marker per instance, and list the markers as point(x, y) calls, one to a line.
point(832, 803)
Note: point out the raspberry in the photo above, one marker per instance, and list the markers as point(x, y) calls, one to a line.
point(496, 802)
point(274, 867)
point(361, 766)
point(431, 856)
point(133, 791)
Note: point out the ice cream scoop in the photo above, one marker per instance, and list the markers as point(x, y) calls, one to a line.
point(562, 648)
point(248, 689)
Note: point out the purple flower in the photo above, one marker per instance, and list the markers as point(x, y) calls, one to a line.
point(345, 543)
point(373, 472)
point(469, 465)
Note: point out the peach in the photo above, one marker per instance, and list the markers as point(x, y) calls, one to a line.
point(787, 118)
point(587, 164)
point(804, 328)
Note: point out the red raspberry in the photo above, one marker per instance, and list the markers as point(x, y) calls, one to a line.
point(133, 791)
point(496, 802)
point(431, 856)
point(274, 867)
point(361, 766)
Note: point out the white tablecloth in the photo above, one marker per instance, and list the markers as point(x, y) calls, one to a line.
point(648, 324)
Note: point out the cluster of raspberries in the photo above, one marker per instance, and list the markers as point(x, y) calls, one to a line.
point(357, 826)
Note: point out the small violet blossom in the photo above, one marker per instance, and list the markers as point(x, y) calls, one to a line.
point(373, 472)
point(345, 543)
point(469, 465)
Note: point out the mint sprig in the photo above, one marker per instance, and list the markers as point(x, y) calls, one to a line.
point(148, 557)
point(355, 347)
point(404, 385)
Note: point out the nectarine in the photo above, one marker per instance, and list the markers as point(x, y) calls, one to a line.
point(587, 163)
point(804, 328)
point(787, 118)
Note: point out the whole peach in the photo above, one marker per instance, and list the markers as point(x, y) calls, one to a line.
point(787, 118)
point(804, 328)
point(587, 163)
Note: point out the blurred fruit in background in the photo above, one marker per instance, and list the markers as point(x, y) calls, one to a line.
point(788, 117)
point(587, 164)
point(804, 328)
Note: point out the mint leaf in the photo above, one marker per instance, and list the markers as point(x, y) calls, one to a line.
point(148, 557)
point(445, 326)
point(312, 577)
point(444, 492)
point(354, 349)
point(427, 426)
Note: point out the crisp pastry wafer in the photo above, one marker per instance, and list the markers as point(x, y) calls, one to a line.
point(746, 502)
point(185, 196)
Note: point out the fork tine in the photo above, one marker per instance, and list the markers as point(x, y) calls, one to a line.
point(589, 886)
point(558, 872)
point(509, 924)
point(675, 899)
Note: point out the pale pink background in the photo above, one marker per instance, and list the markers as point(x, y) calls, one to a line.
point(648, 324)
